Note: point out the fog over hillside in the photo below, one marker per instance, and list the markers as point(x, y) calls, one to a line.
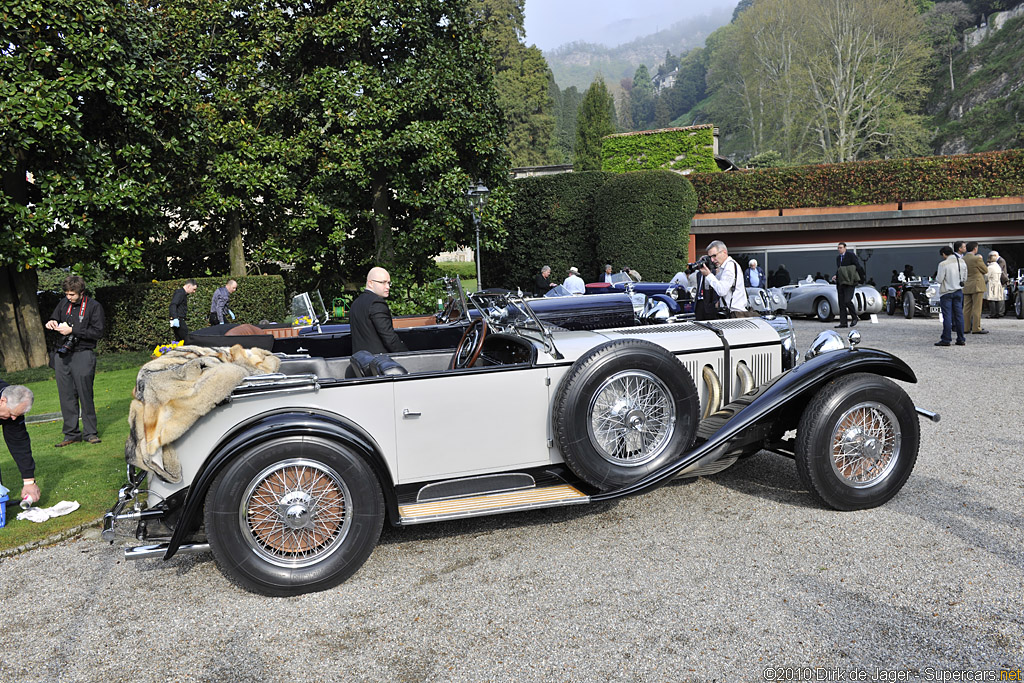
point(554, 23)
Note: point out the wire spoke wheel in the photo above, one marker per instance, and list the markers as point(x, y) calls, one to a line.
point(865, 444)
point(295, 513)
point(632, 418)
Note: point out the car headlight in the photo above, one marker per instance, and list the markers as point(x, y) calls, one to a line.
point(674, 293)
point(871, 301)
point(932, 292)
point(829, 340)
point(776, 298)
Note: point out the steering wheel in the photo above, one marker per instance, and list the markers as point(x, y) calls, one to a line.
point(470, 345)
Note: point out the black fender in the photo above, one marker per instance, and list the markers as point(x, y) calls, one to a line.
point(272, 426)
point(746, 419)
point(673, 306)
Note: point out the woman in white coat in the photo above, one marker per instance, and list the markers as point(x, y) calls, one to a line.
point(994, 294)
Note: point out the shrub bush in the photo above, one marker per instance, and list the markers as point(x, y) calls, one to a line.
point(965, 176)
point(136, 314)
point(643, 221)
point(551, 223)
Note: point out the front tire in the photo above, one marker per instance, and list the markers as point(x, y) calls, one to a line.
point(909, 307)
point(293, 515)
point(1018, 305)
point(890, 304)
point(857, 442)
point(823, 310)
point(624, 410)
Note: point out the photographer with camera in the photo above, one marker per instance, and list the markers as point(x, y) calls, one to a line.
point(728, 283)
point(80, 320)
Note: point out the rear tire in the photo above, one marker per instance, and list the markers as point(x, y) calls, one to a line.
point(625, 409)
point(293, 515)
point(857, 442)
point(890, 304)
point(1018, 305)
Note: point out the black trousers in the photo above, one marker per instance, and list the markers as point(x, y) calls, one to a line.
point(181, 331)
point(75, 373)
point(845, 293)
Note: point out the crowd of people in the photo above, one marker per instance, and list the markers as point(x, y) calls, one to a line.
point(965, 280)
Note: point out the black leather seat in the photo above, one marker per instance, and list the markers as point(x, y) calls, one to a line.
point(383, 364)
point(359, 365)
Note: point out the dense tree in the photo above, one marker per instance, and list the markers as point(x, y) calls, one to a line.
point(596, 119)
point(90, 109)
point(827, 73)
point(641, 98)
point(945, 23)
point(567, 115)
point(521, 78)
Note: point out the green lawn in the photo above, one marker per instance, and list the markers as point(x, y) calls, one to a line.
point(90, 474)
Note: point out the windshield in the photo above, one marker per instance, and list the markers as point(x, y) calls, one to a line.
point(505, 312)
point(558, 290)
point(455, 308)
point(618, 278)
point(308, 309)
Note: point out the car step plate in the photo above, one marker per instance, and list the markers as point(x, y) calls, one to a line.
point(509, 501)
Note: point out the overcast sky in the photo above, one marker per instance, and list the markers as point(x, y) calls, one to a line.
point(550, 23)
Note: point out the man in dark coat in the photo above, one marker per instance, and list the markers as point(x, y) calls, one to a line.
point(849, 272)
point(80, 320)
point(15, 401)
point(753, 276)
point(370, 317)
point(178, 310)
point(542, 281)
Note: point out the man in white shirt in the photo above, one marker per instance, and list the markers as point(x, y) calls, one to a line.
point(574, 283)
point(950, 276)
point(728, 282)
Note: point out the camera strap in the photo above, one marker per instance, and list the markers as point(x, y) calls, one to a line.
point(81, 309)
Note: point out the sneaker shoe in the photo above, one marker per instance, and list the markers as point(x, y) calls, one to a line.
point(941, 343)
point(960, 343)
point(66, 442)
point(93, 439)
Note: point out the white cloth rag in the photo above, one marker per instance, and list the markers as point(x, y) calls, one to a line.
point(65, 507)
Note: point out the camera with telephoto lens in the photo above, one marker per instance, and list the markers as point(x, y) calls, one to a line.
point(68, 345)
point(702, 261)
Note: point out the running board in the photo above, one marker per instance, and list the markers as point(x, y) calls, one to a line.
point(142, 552)
point(491, 504)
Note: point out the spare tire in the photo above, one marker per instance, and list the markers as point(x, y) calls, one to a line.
point(624, 410)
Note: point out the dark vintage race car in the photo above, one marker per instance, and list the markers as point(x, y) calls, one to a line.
point(289, 479)
point(1015, 294)
point(915, 297)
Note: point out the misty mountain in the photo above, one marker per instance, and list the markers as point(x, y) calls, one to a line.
point(578, 63)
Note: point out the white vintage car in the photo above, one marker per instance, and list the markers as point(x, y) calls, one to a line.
point(820, 299)
point(290, 479)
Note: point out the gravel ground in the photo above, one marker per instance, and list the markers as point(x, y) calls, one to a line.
point(719, 579)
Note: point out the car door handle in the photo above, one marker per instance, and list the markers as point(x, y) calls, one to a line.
point(406, 413)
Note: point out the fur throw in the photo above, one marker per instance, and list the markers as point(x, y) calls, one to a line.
point(176, 389)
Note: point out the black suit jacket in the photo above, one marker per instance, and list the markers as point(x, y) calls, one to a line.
point(372, 330)
point(179, 305)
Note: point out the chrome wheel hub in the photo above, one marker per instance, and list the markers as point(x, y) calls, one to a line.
point(865, 444)
point(632, 418)
point(295, 513)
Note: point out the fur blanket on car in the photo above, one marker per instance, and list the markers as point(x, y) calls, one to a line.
point(176, 389)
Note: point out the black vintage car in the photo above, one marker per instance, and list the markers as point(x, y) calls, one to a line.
point(917, 296)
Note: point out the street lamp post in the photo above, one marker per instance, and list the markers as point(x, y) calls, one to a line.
point(477, 196)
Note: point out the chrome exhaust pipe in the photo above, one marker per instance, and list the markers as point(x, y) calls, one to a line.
point(934, 417)
point(143, 552)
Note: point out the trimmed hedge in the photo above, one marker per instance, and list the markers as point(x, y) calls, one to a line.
point(674, 149)
point(643, 221)
point(551, 223)
point(965, 176)
point(136, 314)
point(587, 219)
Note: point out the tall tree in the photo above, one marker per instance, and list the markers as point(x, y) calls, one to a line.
point(945, 23)
point(596, 120)
point(567, 116)
point(521, 78)
point(864, 64)
point(641, 98)
point(91, 102)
